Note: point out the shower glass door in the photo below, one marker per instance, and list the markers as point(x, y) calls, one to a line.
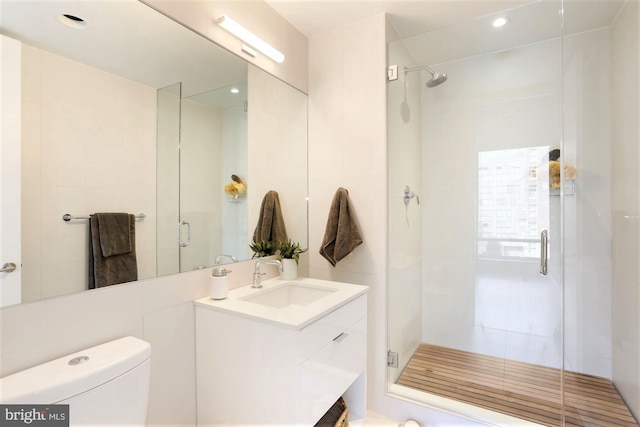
point(473, 325)
point(202, 141)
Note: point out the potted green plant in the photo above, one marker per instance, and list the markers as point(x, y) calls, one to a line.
point(289, 250)
point(263, 248)
point(289, 254)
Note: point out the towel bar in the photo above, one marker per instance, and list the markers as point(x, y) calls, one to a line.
point(67, 217)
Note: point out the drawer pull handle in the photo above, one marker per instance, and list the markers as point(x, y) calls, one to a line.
point(341, 337)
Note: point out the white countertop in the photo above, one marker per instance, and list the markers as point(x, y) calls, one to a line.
point(292, 317)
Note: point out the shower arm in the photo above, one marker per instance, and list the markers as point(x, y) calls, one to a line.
point(422, 67)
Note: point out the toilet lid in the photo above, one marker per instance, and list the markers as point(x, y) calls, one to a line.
point(73, 374)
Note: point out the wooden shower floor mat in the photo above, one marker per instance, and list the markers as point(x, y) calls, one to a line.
point(522, 390)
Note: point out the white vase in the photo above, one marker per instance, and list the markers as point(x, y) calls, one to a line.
point(289, 269)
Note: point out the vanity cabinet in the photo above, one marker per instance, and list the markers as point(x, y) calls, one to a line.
point(252, 372)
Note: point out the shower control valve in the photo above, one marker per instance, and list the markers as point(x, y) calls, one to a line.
point(408, 195)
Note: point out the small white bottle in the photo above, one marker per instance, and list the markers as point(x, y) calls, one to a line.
point(219, 284)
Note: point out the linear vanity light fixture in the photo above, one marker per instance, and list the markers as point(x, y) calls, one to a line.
point(250, 39)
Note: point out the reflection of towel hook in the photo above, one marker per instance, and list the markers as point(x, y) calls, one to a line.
point(408, 195)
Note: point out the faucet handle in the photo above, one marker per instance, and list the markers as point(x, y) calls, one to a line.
point(257, 280)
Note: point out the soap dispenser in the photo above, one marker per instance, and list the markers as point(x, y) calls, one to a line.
point(219, 283)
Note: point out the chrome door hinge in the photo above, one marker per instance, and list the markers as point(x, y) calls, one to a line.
point(392, 359)
point(392, 73)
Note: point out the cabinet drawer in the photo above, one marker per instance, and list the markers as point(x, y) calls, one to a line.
point(326, 375)
point(320, 333)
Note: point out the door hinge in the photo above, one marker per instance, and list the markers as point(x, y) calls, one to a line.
point(392, 73)
point(392, 359)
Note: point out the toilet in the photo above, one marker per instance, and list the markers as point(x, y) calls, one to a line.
point(103, 385)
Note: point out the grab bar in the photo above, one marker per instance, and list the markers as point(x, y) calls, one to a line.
point(67, 217)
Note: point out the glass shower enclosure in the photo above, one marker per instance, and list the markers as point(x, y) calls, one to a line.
point(513, 215)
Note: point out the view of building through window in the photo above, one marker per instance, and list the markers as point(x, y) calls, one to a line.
point(513, 202)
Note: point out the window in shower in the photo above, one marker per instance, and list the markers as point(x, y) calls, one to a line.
point(512, 203)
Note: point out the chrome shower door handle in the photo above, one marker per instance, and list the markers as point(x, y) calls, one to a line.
point(180, 242)
point(544, 252)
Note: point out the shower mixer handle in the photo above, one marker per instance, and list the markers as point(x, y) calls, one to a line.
point(408, 195)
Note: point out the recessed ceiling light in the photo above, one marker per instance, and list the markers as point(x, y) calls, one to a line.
point(73, 21)
point(500, 21)
point(235, 90)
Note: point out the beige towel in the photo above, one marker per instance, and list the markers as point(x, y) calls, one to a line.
point(119, 267)
point(341, 235)
point(270, 226)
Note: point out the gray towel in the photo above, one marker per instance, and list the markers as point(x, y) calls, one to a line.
point(108, 235)
point(342, 234)
point(115, 235)
point(270, 226)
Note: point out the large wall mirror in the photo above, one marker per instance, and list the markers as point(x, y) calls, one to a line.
point(129, 111)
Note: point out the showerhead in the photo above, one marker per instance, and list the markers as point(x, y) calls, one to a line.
point(437, 80)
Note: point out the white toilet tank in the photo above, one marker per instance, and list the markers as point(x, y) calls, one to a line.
point(105, 385)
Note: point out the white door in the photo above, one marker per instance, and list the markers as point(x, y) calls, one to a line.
point(9, 171)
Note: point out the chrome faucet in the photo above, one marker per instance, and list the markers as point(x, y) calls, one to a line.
point(257, 276)
point(219, 259)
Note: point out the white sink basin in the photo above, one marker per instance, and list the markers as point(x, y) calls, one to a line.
point(290, 303)
point(289, 295)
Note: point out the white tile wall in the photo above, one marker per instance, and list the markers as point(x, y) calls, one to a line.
point(625, 68)
point(347, 144)
point(171, 334)
point(277, 153)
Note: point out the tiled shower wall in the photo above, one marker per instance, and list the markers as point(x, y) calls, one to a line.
point(625, 47)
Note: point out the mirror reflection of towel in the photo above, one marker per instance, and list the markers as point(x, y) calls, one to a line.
point(342, 234)
point(115, 237)
point(112, 249)
point(270, 226)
